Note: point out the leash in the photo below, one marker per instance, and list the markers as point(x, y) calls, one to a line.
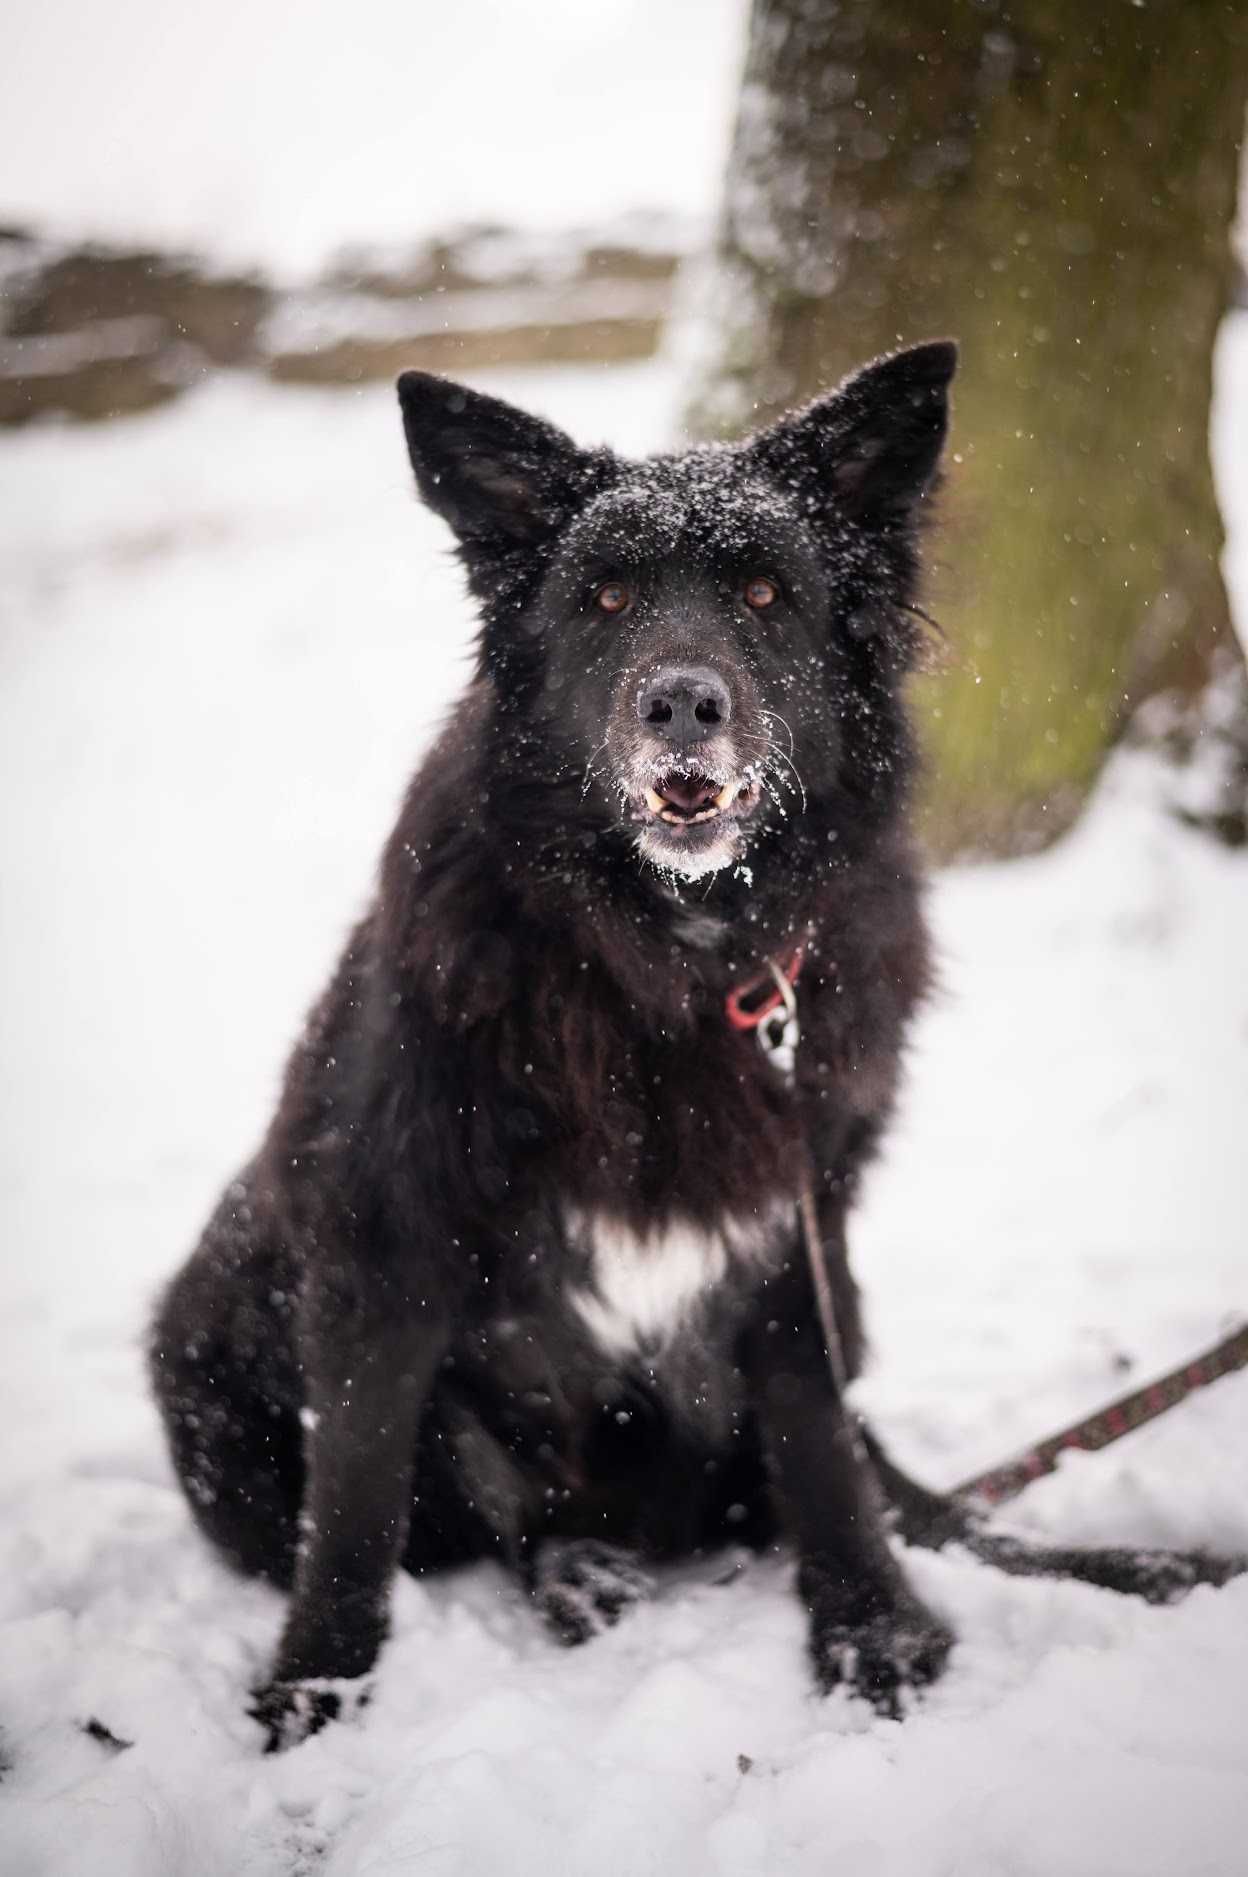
point(1108, 1424)
point(772, 1014)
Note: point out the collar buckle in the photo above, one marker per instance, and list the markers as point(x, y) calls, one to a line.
point(773, 1016)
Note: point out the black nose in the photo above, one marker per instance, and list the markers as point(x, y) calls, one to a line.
point(684, 703)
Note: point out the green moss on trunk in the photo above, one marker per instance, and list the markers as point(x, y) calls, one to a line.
point(1055, 191)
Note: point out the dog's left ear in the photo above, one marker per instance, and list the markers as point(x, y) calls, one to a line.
point(871, 446)
point(499, 477)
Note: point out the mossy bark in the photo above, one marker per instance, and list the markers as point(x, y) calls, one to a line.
point(1052, 184)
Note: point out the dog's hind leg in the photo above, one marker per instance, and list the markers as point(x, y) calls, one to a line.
point(933, 1520)
point(583, 1586)
point(223, 1374)
point(476, 1500)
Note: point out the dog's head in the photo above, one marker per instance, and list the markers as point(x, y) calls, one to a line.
point(698, 641)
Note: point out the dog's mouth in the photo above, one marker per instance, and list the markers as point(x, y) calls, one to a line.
point(688, 798)
point(690, 808)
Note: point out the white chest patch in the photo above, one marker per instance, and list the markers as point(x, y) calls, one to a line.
point(643, 1289)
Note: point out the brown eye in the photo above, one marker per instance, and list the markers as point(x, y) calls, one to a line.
point(612, 598)
point(760, 592)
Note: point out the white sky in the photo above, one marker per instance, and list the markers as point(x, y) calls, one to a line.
point(277, 130)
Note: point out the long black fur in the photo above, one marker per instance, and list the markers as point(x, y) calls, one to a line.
point(377, 1357)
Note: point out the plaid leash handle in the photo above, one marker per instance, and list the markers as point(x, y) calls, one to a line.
point(1109, 1423)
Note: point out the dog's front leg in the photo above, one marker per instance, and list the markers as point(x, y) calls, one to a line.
point(369, 1355)
point(868, 1631)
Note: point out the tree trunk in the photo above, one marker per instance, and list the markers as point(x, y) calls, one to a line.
point(1052, 185)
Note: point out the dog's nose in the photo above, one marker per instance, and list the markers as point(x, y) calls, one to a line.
point(684, 703)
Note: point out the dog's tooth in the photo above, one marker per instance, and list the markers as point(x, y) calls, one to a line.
point(654, 801)
point(726, 795)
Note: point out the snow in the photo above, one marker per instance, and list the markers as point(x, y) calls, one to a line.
point(226, 632)
point(277, 135)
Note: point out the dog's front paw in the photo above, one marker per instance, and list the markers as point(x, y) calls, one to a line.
point(877, 1648)
point(292, 1711)
point(584, 1586)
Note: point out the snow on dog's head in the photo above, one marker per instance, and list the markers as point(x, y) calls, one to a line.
point(691, 651)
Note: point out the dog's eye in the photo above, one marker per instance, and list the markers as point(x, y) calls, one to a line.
point(612, 597)
point(760, 592)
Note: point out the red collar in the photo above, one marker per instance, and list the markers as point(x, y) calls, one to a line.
point(747, 1006)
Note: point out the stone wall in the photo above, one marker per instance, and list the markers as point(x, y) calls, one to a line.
point(94, 332)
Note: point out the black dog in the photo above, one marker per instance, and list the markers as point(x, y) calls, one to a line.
point(517, 1271)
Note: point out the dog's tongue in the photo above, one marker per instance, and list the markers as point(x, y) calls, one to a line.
point(688, 792)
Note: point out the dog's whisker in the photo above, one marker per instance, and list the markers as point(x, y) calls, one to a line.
point(790, 780)
point(590, 771)
point(780, 807)
point(787, 728)
point(776, 756)
point(779, 757)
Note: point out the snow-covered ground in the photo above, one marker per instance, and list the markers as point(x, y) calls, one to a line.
point(225, 633)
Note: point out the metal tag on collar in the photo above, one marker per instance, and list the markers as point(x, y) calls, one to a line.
point(780, 1031)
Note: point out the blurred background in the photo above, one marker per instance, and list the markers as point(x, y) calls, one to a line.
point(763, 198)
point(227, 631)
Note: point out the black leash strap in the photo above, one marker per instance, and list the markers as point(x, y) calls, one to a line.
point(779, 1032)
point(809, 1216)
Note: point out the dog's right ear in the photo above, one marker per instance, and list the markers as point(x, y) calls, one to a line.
point(500, 478)
point(872, 446)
